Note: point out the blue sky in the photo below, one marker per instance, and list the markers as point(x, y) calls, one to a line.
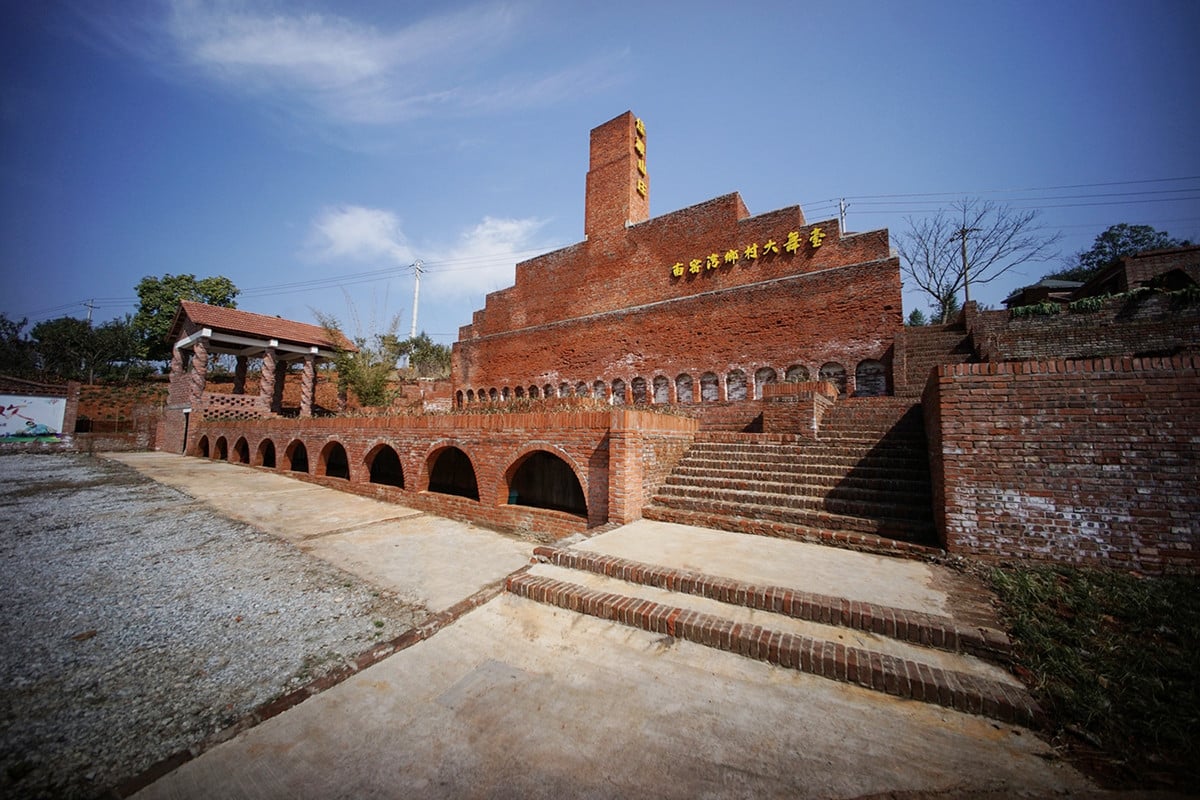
point(312, 151)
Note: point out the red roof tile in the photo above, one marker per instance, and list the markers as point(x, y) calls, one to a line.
point(231, 320)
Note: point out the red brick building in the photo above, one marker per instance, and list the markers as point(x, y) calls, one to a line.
point(704, 304)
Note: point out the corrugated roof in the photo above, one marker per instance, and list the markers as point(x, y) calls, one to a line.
point(231, 320)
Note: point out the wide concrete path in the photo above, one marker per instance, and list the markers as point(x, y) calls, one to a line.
point(425, 559)
point(519, 699)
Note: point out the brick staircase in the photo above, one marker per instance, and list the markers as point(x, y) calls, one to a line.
point(956, 663)
point(864, 483)
point(933, 346)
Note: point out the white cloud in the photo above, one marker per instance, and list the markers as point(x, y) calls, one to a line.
point(360, 234)
point(340, 70)
point(482, 259)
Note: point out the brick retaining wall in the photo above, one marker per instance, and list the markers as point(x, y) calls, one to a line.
point(1092, 462)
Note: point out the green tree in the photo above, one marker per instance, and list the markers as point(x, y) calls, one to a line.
point(16, 352)
point(1111, 246)
point(158, 300)
point(916, 319)
point(425, 357)
point(998, 238)
point(369, 372)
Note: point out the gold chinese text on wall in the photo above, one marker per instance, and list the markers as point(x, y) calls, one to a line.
point(639, 147)
point(792, 243)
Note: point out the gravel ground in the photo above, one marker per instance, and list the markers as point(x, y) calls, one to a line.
point(135, 623)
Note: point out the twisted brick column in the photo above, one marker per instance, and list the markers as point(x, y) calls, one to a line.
point(199, 370)
point(308, 383)
point(239, 376)
point(266, 383)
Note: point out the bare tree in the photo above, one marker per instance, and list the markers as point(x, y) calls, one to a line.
point(970, 243)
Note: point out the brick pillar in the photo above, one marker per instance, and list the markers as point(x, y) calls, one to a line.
point(308, 384)
point(280, 379)
point(199, 370)
point(176, 364)
point(266, 383)
point(624, 470)
point(239, 376)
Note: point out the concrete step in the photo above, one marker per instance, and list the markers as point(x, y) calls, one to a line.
point(791, 497)
point(765, 518)
point(861, 541)
point(850, 654)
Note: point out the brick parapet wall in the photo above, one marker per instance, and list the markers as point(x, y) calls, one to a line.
point(1090, 462)
point(1145, 324)
point(845, 315)
point(647, 445)
point(797, 408)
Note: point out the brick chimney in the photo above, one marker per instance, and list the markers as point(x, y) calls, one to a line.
point(618, 186)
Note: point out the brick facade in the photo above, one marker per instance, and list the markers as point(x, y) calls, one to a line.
point(1089, 462)
point(708, 290)
point(619, 458)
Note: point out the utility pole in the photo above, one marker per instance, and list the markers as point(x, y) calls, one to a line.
point(89, 305)
point(842, 214)
point(962, 233)
point(417, 267)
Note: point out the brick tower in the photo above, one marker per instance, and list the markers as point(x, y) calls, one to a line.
point(618, 186)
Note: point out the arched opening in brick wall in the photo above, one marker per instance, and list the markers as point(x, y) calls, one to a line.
point(492, 395)
point(599, 390)
point(202, 447)
point(735, 385)
point(333, 462)
point(265, 456)
point(534, 392)
point(618, 392)
point(762, 377)
point(796, 373)
point(221, 449)
point(835, 373)
point(662, 389)
point(384, 466)
point(870, 379)
point(241, 451)
point(520, 393)
point(295, 457)
point(581, 389)
point(641, 394)
point(543, 480)
point(548, 390)
point(683, 389)
point(459, 398)
point(453, 473)
point(710, 388)
point(564, 389)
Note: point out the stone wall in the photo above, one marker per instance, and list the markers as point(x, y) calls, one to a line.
point(1091, 462)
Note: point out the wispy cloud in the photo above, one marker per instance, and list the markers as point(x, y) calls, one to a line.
point(345, 70)
point(480, 260)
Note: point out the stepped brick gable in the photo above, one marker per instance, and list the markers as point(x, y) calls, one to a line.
point(708, 289)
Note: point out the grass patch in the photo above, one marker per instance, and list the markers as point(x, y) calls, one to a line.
point(1113, 659)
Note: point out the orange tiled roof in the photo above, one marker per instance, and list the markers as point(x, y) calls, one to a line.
point(231, 320)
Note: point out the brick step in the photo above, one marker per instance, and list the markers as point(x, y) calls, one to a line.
point(884, 480)
point(946, 680)
point(915, 496)
point(916, 627)
point(919, 546)
point(777, 508)
point(899, 458)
